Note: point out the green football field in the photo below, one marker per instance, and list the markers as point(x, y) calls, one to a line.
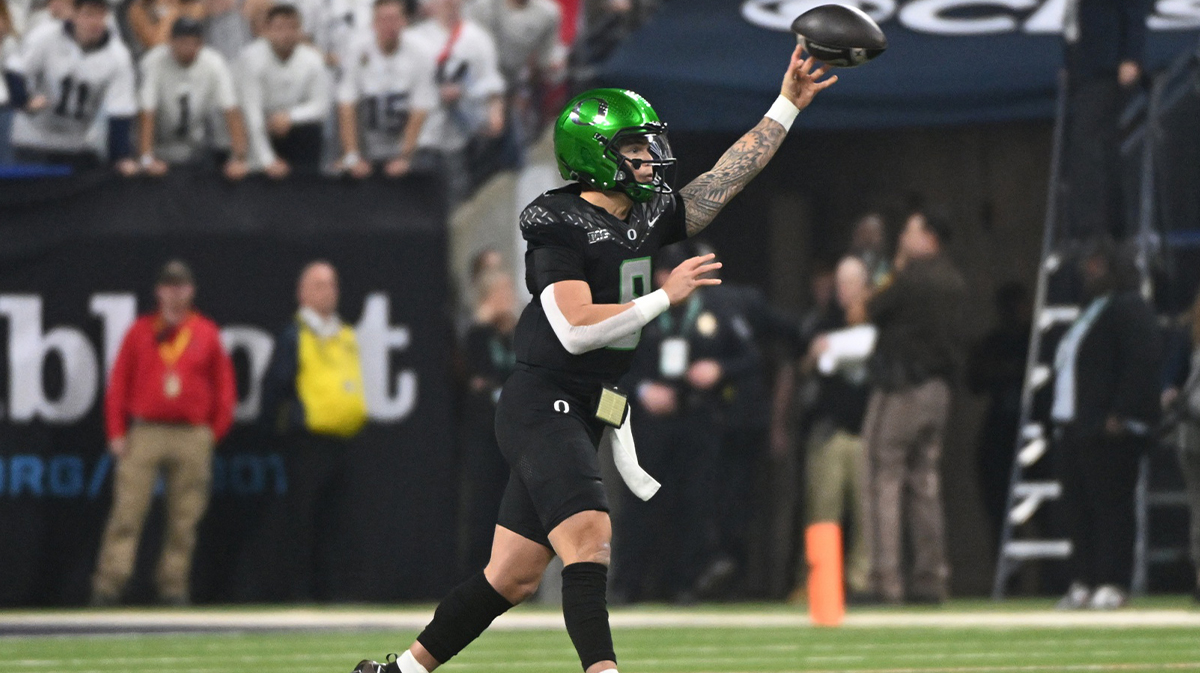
point(1157, 639)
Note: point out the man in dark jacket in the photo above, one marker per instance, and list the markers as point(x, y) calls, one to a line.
point(702, 420)
point(1106, 404)
point(313, 399)
point(918, 357)
point(1105, 43)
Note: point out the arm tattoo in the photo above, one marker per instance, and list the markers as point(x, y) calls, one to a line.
point(705, 196)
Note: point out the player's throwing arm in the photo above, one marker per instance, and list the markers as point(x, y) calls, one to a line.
point(705, 196)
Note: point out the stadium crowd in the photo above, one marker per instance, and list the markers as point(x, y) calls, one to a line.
point(354, 87)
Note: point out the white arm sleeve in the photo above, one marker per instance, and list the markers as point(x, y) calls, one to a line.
point(579, 339)
point(252, 108)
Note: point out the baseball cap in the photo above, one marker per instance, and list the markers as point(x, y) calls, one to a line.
point(175, 272)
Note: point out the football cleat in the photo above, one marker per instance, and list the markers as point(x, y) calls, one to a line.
point(1076, 598)
point(372, 666)
point(1108, 597)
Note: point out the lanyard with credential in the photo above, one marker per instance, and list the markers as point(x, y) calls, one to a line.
point(666, 322)
point(674, 353)
point(170, 350)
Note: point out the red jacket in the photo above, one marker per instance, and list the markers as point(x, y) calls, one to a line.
point(171, 376)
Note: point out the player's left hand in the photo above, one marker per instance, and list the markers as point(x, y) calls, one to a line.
point(704, 374)
point(398, 167)
point(156, 168)
point(1128, 73)
point(36, 104)
point(236, 169)
point(1113, 427)
point(801, 82)
point(128, 167)
point(279, 123)
point(818, 347)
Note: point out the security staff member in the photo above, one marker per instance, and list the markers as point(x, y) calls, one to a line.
point(170, 398)
point(736, 322)
point(313, 397)
point(664, 542)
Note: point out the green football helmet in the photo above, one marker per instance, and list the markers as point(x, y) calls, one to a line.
point(594, 125)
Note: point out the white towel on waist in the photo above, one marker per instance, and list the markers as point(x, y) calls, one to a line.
point(620, 442)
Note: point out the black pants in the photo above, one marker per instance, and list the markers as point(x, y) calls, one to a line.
point(317, 471)
point(993, 463)
point(301, 147)
point(1099, 474)
point(1092, 159)
point(662, 544)
point(738, 462)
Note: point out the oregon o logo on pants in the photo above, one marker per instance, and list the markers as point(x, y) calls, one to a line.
point(561, 406)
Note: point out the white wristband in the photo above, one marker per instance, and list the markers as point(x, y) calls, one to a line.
point(653, 304)
point(350, 159)
point(783, 111)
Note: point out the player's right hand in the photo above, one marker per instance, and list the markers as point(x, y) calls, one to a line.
point(277, 169)
point(36, 104)
point(686, 277)
point(236, 169)
point(358, 169)
point(156, 168)
point(117, 447)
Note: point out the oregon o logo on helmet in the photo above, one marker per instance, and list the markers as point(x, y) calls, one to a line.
point(598, 118)
point(562, 407)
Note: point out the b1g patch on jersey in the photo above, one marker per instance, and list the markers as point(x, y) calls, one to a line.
point(597, 235)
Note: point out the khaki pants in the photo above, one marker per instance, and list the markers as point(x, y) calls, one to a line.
point(903, 433)
point(184, 454)
point(834, 466)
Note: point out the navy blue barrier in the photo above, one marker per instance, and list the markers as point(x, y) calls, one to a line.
point(77, 260)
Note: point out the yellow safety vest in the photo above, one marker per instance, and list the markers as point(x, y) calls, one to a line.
point(329, 383)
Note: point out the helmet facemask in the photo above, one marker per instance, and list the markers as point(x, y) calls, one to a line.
point(662, 160)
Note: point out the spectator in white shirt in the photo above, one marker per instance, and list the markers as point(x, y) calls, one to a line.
point(65, 77)
point(54, 10)
point(185, 85)
point(386, 93)
point(527, 37)
point(470, 91)
point(227, 27)
point(285, 96)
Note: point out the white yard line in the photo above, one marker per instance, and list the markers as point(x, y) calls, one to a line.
point(200, 619)
point(1012, 669)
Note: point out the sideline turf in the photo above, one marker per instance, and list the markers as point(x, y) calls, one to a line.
point(659, 650)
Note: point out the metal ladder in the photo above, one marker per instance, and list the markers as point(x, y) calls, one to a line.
point(1026, 496)
point(1053, 310)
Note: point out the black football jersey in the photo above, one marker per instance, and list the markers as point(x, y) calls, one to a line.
point(571, 239)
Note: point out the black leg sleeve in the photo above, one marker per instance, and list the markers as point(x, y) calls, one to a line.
point(464, 614)
point(585, 611)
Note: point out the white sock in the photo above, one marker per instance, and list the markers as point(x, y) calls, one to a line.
point(609, 670)
point(409, 664)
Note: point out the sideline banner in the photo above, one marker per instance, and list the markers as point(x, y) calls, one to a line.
point(716, 65)
point(77, 262)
